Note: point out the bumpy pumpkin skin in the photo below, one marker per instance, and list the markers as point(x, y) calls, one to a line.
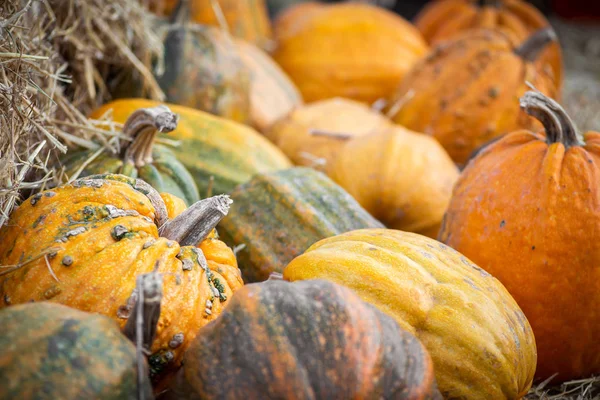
point(414, 178)
point(305, 340)
point(479, 339)
point(272, 94)
point(279, 215)
point(211, 146)
point(50, 351)
point(81, 252)
point(292, 134)
point(528, 213)
point(466, 92)
point(443, 19)
point(351, 50)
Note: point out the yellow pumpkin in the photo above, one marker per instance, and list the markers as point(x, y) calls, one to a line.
point(481, 344)
point(352, 50)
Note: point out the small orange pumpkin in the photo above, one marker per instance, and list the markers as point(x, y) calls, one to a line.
point(527, 210)
point(352, 50)
point(444, 19)
point(465, 92)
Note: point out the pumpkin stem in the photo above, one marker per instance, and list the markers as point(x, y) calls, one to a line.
point(531, 48)
point(557, 123)
point(194, 224)
point(142, 323)
point(142, 126)
point(181, 13)
point(489, 3)
point(330, 134)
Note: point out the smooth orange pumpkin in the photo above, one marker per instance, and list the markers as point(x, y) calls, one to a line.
point(84, 244)
point(298, 133)
point(352, 50)
point(527, 210)
point(444, 19)
point(465, 93)
point(402, 178)
point(481, 343)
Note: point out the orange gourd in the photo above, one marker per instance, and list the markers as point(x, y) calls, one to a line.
point(443, 19)
point(352, 50)
point(84, 244)
point(527, 210)
point(465, 92)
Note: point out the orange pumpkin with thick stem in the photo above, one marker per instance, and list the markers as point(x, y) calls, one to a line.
point(465, 92)
point(84, 244)
point(443, 19)
point(352, 50)
point(527, 210)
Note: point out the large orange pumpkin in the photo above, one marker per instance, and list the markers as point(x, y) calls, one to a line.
point(527, 209)
point(352, 50)
point(84, 244)
point(465, 93)
point(444, 19)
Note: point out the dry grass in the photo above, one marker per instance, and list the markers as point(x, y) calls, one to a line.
point(582, 389)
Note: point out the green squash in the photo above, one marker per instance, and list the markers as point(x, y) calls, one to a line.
point(276, 216)
point(140, 157)
point(51, 351)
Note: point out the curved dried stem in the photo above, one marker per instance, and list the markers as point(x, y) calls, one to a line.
point(531, 48)
point(559, 127)
point(142, 126)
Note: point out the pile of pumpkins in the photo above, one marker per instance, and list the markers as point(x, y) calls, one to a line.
point(289, 238)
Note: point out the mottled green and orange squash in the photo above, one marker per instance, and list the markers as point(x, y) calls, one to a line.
point(527, 210)
point(466, 91)
point(50, 351)
point(277, 216)
point(140, 157)
point(272, 94)
point(84, 244)
point(444, 19)
point(210, 146)
point(304, 340)
point(350, 49)
point(481, 344)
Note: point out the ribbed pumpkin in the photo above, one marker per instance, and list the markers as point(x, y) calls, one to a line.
point(403, 178)
point(292, 14)
point(83, 245)
point(299, 136)
point(201, 68)
point(210, 146)
point(479, 339)
point(527, 210)
point(465, 93)
point(277, 216)
point(352, 50)
point(140, 157)
point(50, 351)
point(444, 19)
point(305, 340)
point(272, 94)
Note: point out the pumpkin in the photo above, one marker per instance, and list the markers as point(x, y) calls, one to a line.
point(465, 92)
point(299, 134)
point(140, 157)
point(83, 245)
point(444, 19)
point(229, 152)
point(305, 340)
point(409, 185)
point(480, 342)
point(291, 14)
point(352, 50)
point(201, 68)
point(277, 216)
point(533, 200)
point(52, 351)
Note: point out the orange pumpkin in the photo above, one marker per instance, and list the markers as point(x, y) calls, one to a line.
point(352, 50)
point(84, 244)
point(465, 93)
point(527, 210)
point(444, 19)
